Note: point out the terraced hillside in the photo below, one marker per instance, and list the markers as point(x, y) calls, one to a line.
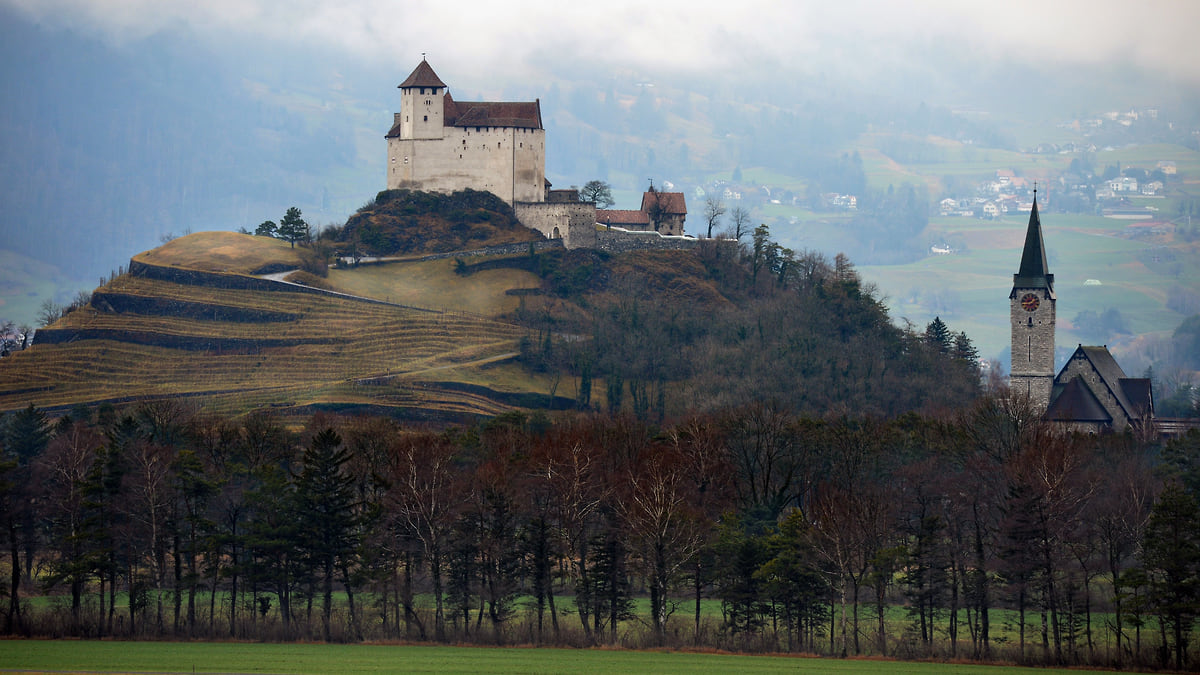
point(233, 342)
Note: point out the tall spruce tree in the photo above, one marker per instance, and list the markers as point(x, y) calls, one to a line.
point(1171, 555)
point(938, 335)
point(328, 515)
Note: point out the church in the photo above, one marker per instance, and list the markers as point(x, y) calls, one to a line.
point(1091, 393)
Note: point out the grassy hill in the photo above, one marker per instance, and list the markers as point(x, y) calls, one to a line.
point(191, 321)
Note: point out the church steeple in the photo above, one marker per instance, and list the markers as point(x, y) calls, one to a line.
point(1034, 271)
point(1032, 315)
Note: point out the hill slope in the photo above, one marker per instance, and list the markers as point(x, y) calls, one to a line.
point(174, 327)
point(447, 338)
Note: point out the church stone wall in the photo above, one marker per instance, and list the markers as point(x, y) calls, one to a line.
point(1032, 370)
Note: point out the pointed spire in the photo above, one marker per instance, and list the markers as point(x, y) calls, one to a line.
point(1034, 271)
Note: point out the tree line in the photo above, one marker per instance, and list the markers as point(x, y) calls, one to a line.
point(983, 534)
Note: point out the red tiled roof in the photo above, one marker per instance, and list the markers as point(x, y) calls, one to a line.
point(671, 202)
point(522, 115)
point(621, 217)
point(423, 76)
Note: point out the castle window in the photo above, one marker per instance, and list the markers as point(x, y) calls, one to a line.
point(406, 159)
point(427, 118)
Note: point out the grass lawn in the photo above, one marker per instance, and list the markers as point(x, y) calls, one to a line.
point(201, 657)
point(434, 285)
point(223, 252)
point(969, 289)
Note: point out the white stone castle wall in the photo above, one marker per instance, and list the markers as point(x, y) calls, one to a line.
point(505, 161)
point(572, 222)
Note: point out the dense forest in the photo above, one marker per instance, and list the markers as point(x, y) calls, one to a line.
point(984, 534)
point(667, 333)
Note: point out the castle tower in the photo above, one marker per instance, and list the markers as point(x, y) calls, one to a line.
point(422, 105)
point(1032, 315)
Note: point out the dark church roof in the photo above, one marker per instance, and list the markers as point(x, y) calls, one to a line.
point(1075, 402)
point(1035, 271)
point(423, 76)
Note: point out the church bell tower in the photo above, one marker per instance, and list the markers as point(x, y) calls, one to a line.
point(1032, 315)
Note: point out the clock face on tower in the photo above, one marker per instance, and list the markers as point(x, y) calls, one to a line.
point(1029, 302)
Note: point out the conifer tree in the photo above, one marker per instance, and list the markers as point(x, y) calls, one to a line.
point(938, 335)
point(328, 515)
point(292, 227)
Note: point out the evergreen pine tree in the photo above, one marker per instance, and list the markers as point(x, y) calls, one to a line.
point(938, 335)
point(292, 227)
point(964, 349)
point(328, 514)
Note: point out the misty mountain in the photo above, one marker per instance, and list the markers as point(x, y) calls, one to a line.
point(108, 148)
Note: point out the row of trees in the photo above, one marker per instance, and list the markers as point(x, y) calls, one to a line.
point(993, 535)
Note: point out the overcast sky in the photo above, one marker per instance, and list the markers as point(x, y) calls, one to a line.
point(1155, 35)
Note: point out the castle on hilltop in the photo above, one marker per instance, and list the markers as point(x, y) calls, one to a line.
point(438, 144)
point(1091, 393)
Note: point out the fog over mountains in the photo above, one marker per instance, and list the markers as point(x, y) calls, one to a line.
point(127, 122)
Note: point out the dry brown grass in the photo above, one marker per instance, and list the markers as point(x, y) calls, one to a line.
point(223, 252)
point(334, 342)
point(434, 284)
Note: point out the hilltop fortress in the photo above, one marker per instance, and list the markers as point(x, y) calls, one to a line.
point(437, 144)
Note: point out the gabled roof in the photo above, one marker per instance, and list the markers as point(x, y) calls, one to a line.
point(621, 217)
point(423, 76)
point(1034, 272)
point(671, 203)
point(1076, 403)
point(1134, 395)
point(1140, 395)
point(522, 115)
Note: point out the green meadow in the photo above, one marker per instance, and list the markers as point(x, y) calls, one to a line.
point(226, 657)
point(969, 288)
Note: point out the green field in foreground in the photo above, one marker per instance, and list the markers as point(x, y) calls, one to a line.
point(204, 657)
